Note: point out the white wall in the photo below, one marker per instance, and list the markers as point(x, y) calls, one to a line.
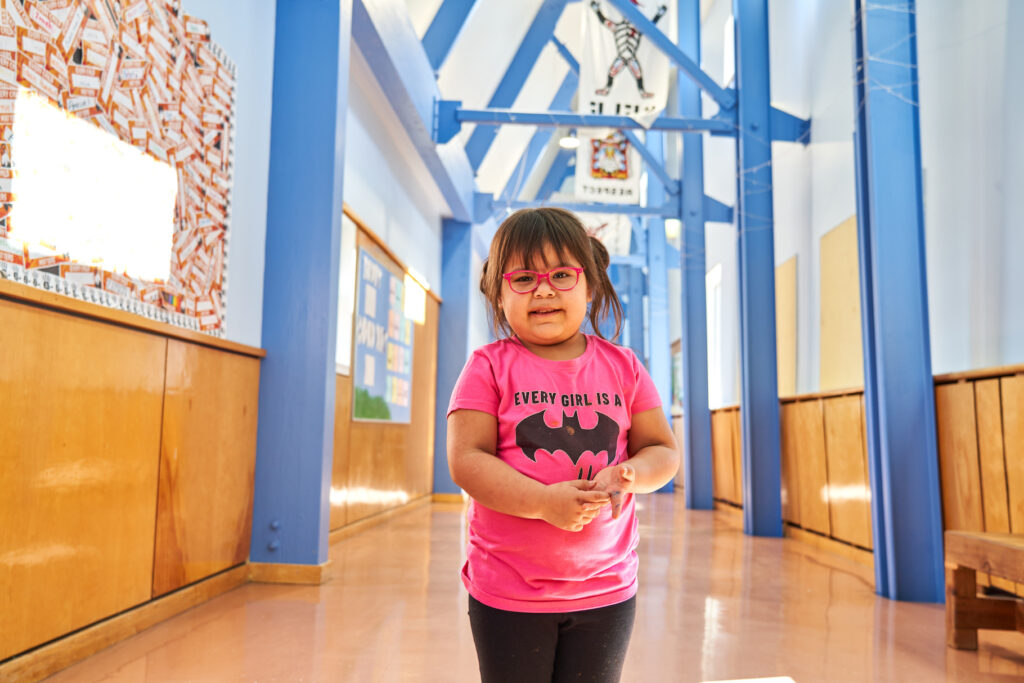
point(970, 59)
point(248, 39)
point(386, 182)
point(813, 185)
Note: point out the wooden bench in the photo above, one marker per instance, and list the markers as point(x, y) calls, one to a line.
point(969, 552)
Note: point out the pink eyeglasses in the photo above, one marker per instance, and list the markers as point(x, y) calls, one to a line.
point(526, 281)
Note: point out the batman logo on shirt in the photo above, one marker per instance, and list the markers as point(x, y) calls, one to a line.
point(533, 434)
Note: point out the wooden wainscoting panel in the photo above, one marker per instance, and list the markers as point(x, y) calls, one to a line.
point(207, 461)
point(790, 463)
point(342, 447)
point(737, 456)
point(849, 490)
point(376, 479)
point(1013, 433)
point(988, 406)
point(419, 453)
point(809, 428)
point(80, 428)
point(958, 457)
point(723, 474)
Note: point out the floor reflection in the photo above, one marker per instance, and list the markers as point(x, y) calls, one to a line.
point(714, 605)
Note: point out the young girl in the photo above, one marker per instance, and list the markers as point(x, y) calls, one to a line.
point(550, 432)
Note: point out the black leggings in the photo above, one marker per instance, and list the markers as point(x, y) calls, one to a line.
point(522, 647)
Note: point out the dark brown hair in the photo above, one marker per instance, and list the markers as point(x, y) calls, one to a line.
point(525, 234)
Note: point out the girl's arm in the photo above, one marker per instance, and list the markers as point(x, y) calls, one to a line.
point(472, 443)
point(653, 459)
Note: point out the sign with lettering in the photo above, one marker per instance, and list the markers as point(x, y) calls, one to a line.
point(382, 369)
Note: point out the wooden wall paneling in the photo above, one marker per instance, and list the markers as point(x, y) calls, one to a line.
point(989, 410)
point(721, 455)
point(207, 461)
point(790, 464)
point(1013, 434)
point(79, 451)
point(849, 489)
point(737, 456)
point(809, 428)
point(342, 447)
point(958, 457)
point(419, 452)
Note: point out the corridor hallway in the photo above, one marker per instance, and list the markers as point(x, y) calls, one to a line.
point(713, 605)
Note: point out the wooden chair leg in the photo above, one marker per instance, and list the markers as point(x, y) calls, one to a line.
point(960, 583)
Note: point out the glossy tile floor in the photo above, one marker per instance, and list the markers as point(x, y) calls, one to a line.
point(713, 605)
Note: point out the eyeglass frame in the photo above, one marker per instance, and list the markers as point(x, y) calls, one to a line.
point(543, 276)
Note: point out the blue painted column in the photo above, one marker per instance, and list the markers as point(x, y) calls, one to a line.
point(696, 461)
point(452, 335)
point(659, 364)
point(759, 396)
point(295, 438)
point(635, 309)
point(898, 384)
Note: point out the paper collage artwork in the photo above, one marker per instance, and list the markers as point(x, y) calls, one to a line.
point(148, 74)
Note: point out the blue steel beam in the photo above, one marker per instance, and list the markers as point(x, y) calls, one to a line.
point(539, 141)
point(788, 128)
point(899, 387)
point(628, 209)
point(556, 174)
point(444, 29)
point(653, 161)
point(726, 98)
point(714, 210)
point(453, 335)
point(636, 310)
point(537, 36)
point(450, 115)
point(638, 260)
point(759, 403)
point(295, 434)
point(381, 30)
point(696, 207)
point(574, 65)
point(660, 361)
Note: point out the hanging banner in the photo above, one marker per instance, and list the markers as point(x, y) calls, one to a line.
point(382, 372)
point(615, 230)
point(621, 73)
point(607, 169)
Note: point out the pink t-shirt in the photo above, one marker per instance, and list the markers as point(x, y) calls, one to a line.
point(557, 420)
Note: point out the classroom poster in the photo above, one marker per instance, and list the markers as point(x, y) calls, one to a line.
point(382, 367)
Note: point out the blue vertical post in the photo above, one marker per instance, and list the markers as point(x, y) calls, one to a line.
point(759, 396)
point(660, 362)
point(899, 387)
point(697, 472)
point(636, 310)
point(452, 336)
point(295, 438)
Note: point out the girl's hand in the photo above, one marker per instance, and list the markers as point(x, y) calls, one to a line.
point(617, 482)
point(571, 505)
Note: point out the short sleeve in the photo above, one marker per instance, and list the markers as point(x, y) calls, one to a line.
point(646, 395)
point(476, 388)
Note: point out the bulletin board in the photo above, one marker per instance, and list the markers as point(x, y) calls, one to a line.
point(149, 75)
point(383, 345)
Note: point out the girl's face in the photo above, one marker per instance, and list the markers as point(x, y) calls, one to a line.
point(547, 320)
